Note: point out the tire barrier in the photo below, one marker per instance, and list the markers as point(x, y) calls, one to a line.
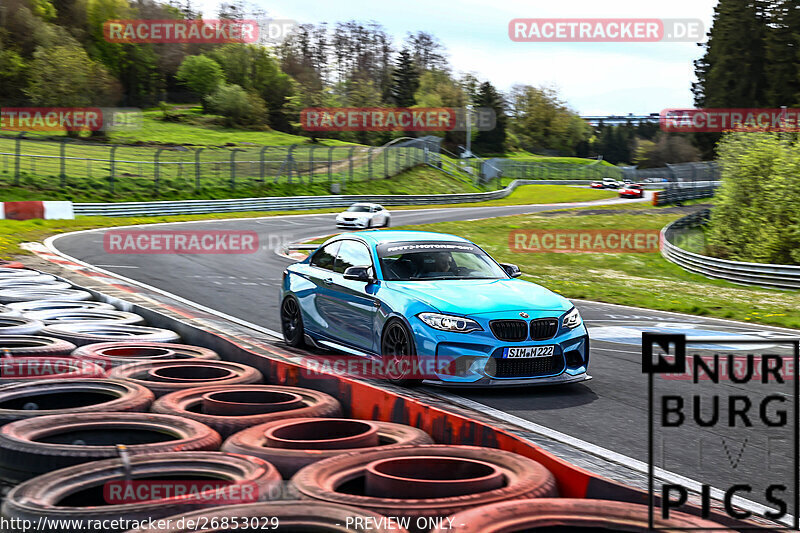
point(290, 516)
point(84, 316)
point(297, 442)
point(113, 354)
point(163, 377)
point(18, 276)
point(8, 311)
point(43, 397)
point(57, 305)
point(77, 492)
point(90, 333)
point(26, 283)
point(33, 345)
point(67, 437)
point(10, 325)
point(232, 408)
point(6, 273)
point(410, 480)
point(36, 446)
point(25, 295)
point(13, 369)
point(557, 514)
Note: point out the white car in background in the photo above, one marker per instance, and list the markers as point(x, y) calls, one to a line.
point(363, 215)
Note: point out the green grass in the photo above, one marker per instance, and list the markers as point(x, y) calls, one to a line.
point(539, 194)
point(418, 180)
point(192, 128)
point(197, 129)
point(15, 232)
point(644, 280)
point(523, 155)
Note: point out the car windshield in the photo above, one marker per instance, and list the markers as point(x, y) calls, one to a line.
point(358, 209)
point(412, 261)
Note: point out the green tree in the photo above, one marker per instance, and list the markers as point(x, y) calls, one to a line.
point(782, 65)
point(755, 216)
point(13, 73)
point(256, 71)
point(237, 105)
point(731, 72)
point(542, 121)
point(491, 141)
point(405, 80)
point(666, 149)
point(201, 75)
point(64, 76)
point(135, 65)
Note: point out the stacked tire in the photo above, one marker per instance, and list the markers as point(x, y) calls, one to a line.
point(126, 406)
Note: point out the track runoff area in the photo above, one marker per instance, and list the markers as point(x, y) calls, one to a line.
point(736, 421)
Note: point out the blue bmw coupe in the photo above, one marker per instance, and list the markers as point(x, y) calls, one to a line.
point(432, 307)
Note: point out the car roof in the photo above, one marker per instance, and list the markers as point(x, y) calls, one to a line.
point(365, 204)
point(376, 237)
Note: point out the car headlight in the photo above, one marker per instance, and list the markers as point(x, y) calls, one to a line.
point(456, 324)
point(572, 319)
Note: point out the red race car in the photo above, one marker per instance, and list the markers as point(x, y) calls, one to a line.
point(634, 190)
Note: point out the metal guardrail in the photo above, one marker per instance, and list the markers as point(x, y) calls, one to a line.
point(673, 194)
point(760, 274)
point(291, 203)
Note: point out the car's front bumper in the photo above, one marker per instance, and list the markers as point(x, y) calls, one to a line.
point(486, 381)
point(476, 358)
point(352, 224)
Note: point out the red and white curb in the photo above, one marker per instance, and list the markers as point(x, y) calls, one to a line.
point(48, 210)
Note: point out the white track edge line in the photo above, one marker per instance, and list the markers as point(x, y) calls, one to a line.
point(51, 247)
point(604, 453)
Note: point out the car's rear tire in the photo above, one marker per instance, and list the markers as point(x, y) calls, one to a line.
point(399, 354)
point(292, 322)
point(388, 222)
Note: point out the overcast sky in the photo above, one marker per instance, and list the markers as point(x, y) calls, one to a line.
point(594, 78)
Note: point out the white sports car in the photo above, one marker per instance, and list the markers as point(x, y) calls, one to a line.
point(364, 215)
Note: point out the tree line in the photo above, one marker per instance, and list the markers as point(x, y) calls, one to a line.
point(54, 53)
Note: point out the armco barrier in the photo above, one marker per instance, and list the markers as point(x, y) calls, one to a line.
point(290, 203)
point(761, 274)
point(675, 193)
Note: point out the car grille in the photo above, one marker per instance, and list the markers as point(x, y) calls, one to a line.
point(509, 330)
point(543, 328)
point(525, 368)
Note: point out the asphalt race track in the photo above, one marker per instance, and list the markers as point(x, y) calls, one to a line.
point(609, 411)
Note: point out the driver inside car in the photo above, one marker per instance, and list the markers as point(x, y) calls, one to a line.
point(441, 265)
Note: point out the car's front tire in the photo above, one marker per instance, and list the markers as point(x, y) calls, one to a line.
point(399, 354)
point(292, 322)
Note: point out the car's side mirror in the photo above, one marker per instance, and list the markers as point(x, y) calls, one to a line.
point(511, 270)
point(358, 273)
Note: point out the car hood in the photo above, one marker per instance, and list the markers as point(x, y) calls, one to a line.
point(477, 296)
